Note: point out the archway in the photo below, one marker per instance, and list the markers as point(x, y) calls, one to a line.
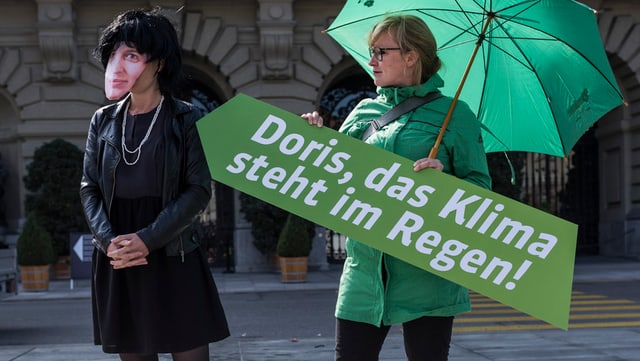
point(618, 137)
point(11, 171)
point(216, 222)
point(347, 88)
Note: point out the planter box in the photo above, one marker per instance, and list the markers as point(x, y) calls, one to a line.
point(293, 269)
point(34, 278)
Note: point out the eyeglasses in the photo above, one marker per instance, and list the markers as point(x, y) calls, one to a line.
point(379, 52)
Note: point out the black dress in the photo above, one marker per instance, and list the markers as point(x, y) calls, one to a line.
point(165, 306)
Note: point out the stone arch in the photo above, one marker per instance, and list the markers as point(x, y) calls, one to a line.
point(621, 38)
point(198, 68)
point(216, 222)
point(344, 87)
point(325, 64)
point(346, 67)
point(618, 135)
point(11, 158)
point(217, 44)
point(328, 59)
point(15, 92)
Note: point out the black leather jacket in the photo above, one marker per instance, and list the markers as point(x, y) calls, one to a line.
point(186, 185)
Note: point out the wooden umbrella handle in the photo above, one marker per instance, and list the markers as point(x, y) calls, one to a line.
point(445, 123)
point(434, 150)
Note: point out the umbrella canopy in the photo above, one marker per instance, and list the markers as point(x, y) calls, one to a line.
point(534, 71)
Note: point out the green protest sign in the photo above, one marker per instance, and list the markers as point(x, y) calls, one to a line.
point(489, 243)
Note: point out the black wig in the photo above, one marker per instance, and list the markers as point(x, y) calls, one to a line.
point(150, 33)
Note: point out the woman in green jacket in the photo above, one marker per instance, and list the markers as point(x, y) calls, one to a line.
point(376, 289)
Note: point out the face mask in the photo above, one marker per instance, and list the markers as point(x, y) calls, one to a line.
point(114, 91)
point(123, 70)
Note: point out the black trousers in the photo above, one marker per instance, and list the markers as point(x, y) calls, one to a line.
point(425, 339)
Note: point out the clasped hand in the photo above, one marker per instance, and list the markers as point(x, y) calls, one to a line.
point(127, 250)
point(314, 118)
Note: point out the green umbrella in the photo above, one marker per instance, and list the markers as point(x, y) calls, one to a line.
point(534, 71)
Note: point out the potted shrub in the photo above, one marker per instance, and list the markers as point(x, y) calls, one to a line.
point(35, 253)
point(52, 180)
point(294, 246)
point(266, 223)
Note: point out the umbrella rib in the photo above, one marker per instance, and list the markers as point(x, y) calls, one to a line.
point(473, 25)
point(526, 65)
point(466, 14)
point(532, 3)
point(445, 122)
point(530, 66)
point(453, 25)
point(552, 37)
point(486, 53)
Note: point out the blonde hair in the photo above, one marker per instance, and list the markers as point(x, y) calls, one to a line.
point(411, 33)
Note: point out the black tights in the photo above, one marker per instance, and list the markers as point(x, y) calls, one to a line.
point(197, 354)
point(425, 339)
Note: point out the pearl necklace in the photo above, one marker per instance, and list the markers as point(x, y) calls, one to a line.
point(138, 150)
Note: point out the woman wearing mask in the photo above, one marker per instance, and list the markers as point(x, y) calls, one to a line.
point(145, 179)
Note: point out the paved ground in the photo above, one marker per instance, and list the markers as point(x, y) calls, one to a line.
point(611, 344)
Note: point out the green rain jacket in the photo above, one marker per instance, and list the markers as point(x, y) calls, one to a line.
point(409, 292)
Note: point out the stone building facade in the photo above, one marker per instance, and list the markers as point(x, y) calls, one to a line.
point(273, 50)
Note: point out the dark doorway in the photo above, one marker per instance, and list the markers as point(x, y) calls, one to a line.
point(338, 101)
point(216, 223)
point(567, 187)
